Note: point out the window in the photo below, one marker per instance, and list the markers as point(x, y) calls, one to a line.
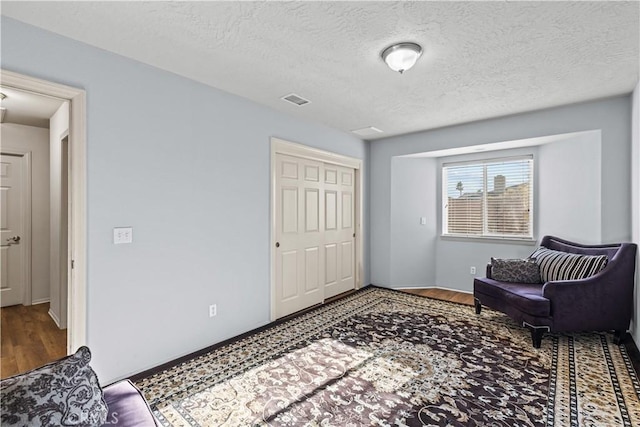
point(490, 198)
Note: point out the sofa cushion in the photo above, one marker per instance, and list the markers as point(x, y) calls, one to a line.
point(515, 270)
point(526, 297)
point(65, 392)
point(557, 265)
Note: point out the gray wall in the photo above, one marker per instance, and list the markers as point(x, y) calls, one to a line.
point(566, 180)
point(187, 166)
point(569, 188)
point(413, 195)
point(453, 258)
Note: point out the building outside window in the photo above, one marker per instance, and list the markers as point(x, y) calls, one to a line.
point(490, 198)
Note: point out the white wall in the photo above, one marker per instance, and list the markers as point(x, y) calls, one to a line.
point(58, 129)
point(187, 166)
point(35, 140)
point(635, 199)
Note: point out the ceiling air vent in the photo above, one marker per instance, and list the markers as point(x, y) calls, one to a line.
point(368, 131)
point(296, 99)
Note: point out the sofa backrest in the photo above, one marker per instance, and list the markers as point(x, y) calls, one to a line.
point(558, 244)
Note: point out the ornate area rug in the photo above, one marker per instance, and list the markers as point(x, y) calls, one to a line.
point(382, 357)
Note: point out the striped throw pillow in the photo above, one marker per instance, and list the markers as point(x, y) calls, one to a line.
point(557, 265)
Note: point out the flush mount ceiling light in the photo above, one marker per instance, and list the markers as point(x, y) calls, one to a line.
point(402, 56)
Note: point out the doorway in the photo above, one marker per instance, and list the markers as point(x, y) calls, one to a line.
point(71, 216)
point(316, 200)
point(34, 328)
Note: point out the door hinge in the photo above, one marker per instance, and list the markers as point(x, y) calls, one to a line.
point(73, 263)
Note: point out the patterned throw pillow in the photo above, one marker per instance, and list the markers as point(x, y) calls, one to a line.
point(62, 393)
point(557, 265)
point(515, 270)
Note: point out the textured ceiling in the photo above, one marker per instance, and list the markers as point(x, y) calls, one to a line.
point(481, 59)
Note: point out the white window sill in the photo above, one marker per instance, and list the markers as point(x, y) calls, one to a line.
point(489, 239)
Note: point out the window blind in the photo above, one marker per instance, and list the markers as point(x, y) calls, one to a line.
point(492, 198)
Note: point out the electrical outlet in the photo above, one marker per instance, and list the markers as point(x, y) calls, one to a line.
point(472, 270)
point(213, 310)
point(122, 235)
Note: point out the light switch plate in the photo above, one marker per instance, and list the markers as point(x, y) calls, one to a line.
point(122, 235)
point(423, 220)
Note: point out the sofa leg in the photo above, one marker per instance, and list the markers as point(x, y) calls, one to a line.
point(536, 336)
point(619, 336)
point(478, 305)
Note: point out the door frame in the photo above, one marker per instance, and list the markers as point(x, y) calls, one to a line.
point(77, 227)
point(25, 243)
point(281, 146)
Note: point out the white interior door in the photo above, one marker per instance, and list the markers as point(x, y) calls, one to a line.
point(299, 234)
point(12, 271)
point(339, 236)
point(314, 233)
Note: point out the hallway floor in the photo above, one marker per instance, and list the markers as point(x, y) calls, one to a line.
point(30, 339)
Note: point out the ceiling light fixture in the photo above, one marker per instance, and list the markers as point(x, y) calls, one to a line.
point(402, 56)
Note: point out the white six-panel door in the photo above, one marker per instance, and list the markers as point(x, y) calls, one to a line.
point(12, 272)
point(339, 235)
point(298, 231)
point(315, 251)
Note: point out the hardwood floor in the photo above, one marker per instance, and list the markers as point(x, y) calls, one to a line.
point(442, 294)
point(29, 338)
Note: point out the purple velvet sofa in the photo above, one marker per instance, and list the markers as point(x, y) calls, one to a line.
point(127, 406)
point(602, 302)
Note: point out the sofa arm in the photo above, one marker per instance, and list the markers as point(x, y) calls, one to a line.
point(127, 406)
point(596, 303)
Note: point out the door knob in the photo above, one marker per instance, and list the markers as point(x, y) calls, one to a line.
point(13, 240)
point(277, 244)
